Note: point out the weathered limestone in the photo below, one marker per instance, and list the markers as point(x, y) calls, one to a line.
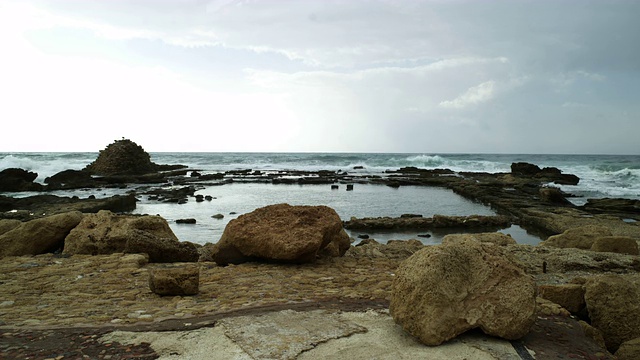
point(175, 281)
point(629, 350)
point(282, 233)
point(495, 238)
point(38, 236)
point(107, 233)
point(8, 224)
point(580, 237)
point(442, 291)
point(569, 296)
point(616, 244)
point(613, 302)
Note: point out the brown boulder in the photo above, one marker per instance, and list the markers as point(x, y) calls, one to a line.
point(107, 233)
point(38, 236)
point(616, 244)
point(580, 237)
point(8, 224)
point(175, 281)
point(445, 290)
point(613, 303)
point(282, 233)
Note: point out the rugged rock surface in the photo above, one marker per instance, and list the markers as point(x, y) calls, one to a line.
point(569, 296)
point(435, 222)
point(613, 302)
point(495, 238)
point(122, 157)
point(445, 290)
point(616, 244)
point(13, 179)
point(38, 236)
point(579, 238)
point(629, 350)
point(107, 233)
point(175, 281)
point(33, 207)
point(546, 174)
point(282, 233)
point(8, 224)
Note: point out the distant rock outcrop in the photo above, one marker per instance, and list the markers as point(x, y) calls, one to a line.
point(13, 179)
point(122, 157)
point(442, 291)
point(281, 232)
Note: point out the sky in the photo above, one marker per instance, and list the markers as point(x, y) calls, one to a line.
point(432, 76)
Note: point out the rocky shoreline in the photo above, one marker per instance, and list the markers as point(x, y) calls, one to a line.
point(95, 272)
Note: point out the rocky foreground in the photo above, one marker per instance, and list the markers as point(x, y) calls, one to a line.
point(284, 282)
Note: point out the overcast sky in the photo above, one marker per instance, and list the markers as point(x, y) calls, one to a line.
point(437, 76)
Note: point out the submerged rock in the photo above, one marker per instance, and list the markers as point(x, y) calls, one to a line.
point(282, 233)
point(445, 290)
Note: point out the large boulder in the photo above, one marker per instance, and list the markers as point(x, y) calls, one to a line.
point(122, 157)
point(8, 224)
point(629, 350)
point(569, 296)
point(581, 237)
point(445, 290)
point(281, 232)
point(613, 303)
point(38, 236)
point(107, 233)
point(69, 179)
point(13, 179)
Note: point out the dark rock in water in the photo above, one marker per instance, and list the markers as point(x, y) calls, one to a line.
point(233, 213)
point(199, 198)
point(122, 157)
point(424, 235)
point(183, 201)
point(217, 216)
point(69, 179)
point(186, 221)
point(523, 168)
point(410, 216)
point(553, 195)
point(358, 167)
point(208, 197)
point(393, 184)
point(609, 205)
point(14, 179)
point(32, 207)
point(335, 187)
point(363, 236)
point(195, 174)
point(349, 187)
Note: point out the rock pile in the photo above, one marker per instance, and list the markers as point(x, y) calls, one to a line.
point(445, 290)
point(122, 157)
point(281, 232)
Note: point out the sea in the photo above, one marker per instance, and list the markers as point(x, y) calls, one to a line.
point(600, 176)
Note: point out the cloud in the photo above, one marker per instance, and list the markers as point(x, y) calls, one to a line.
point(473, 96)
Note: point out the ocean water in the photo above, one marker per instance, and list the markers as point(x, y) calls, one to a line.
point(600, 176)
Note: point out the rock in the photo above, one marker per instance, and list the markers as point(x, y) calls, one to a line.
point(122, 157)
point(609, 205)
point(218, 216)
point(613, 303)
point(70, 179)
point(349, 187)
point(445, 290)
point(569, 296)
point(283, 233)
point(175, 281)
point(393, 249)
point(38, 236)
point(8, 224)
point(13, 179)
point(616, 244)
point(553, 195)
point(495, 238)
point(186, 221)
point(629, 350)
point(579, 238)
point(523, 168)
point(108, 233)
point(593, 334)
